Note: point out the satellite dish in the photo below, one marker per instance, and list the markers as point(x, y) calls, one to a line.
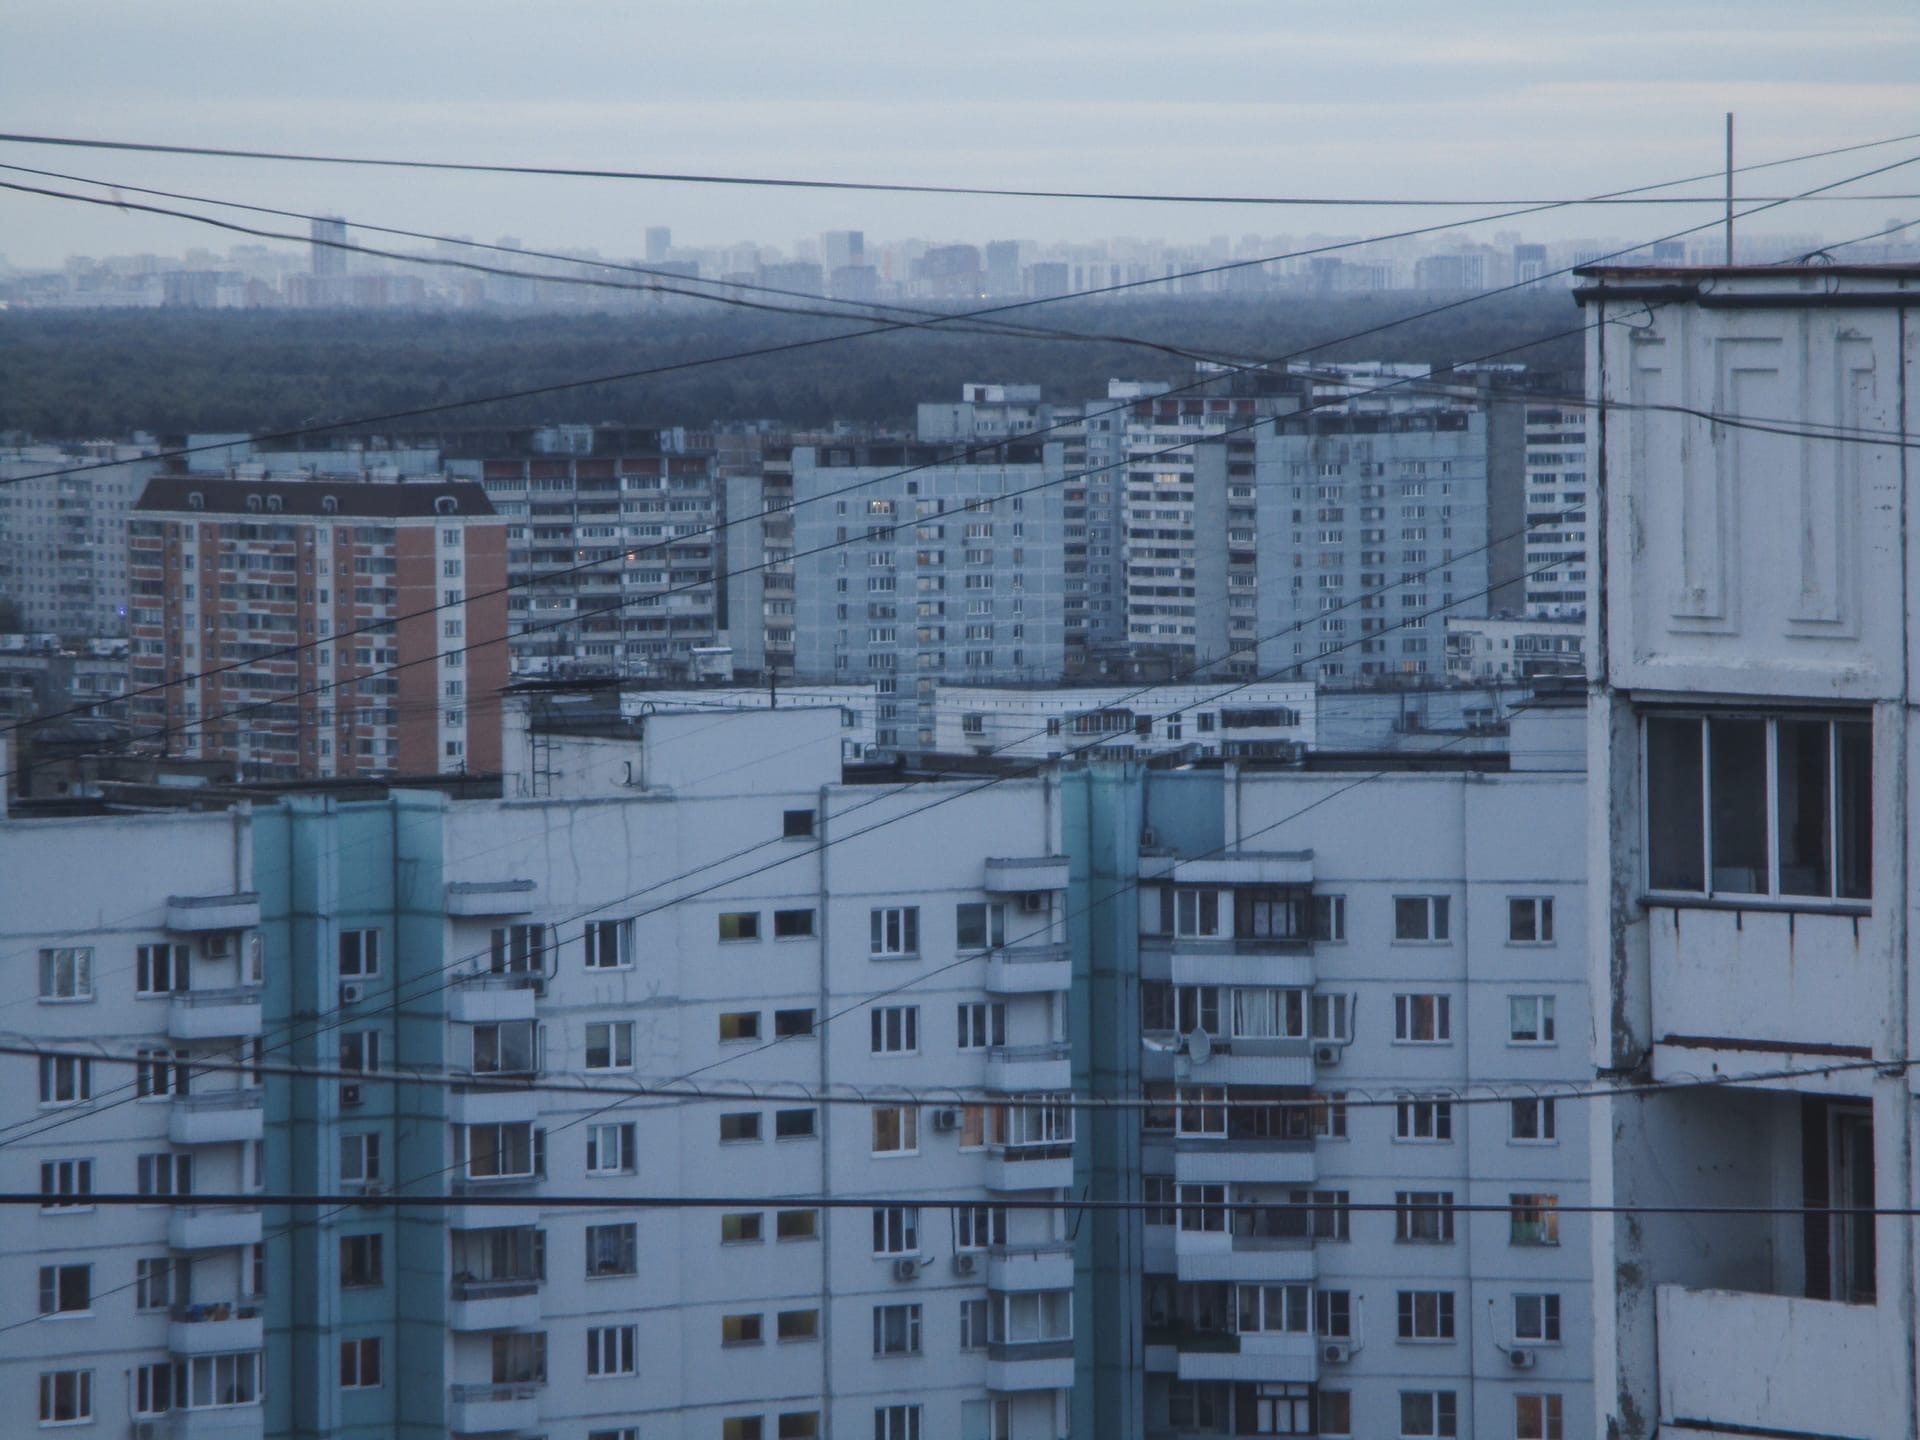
point(1199, 1046)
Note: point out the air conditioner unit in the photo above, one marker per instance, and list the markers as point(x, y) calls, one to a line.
point(350, 992)
point(946, 1119)
point(1326, 1054)
point(964, 1264)
point(349, 1094)
point(1033, 902)
point(218, 945)
point(1521, 1359)
point(1336, 1352)
point(906, 1269)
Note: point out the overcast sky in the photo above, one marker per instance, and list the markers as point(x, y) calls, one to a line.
point(1486, 99)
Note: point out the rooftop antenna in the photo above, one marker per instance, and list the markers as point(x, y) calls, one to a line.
point(1729, 187)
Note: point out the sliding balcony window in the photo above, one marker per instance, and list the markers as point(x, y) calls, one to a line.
point(1759, 805)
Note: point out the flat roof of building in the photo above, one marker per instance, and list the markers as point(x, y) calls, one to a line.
point(307, 498)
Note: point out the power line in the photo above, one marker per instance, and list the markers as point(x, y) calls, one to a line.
point(793, 183)
point(1118, 287)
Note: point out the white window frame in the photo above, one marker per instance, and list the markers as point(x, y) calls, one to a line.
point(1423, 1119)
point(895, 1030)
point(66, 976)
point(360, 1157)
point(359, 954)
point(894, 931)
point(1330, 1017)
point(896, 1330)
point(1407, 1015)
point(607, 945)
point(1544, 1126)
point(614, 1040)
point(904, 1122)
point(175, 960)
point(1544, 1033)
point(1530, 920)
point(1425, 1317)
point(896, 1422)
point(353, 1363)
point(981, 1024)
point(610, 1148)
point(896, 1230)
point(79, 1387)
point(1443, 1411)
point(1436, 922)
point(1546, 1307)
point(613, 1351)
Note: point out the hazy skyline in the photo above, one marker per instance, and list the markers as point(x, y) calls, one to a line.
point(1487, 101)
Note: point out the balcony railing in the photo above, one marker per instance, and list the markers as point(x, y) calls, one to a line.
point(504, 1394)
point(498, 1288)
point(226, 995)
point(214, 1312)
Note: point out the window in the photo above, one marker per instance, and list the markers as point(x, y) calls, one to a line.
point(66, 1396)
point(519, 950)
point(160, 1074)
point(1333, 1316)
point(164, 1174)
point(973, 1324)
point(360, 1261)
point(1530, 920)
point(740, 925)
point(1423, 1119)
point(1536, 1319)
point(1422, 1019)
point(610, 1045)
point(609, 944)
point(975, 1227)
point(159, 1284)
point(359, 953)
point(1530, 1020)
point(740, 1329)
point(360, 1363)
point(979, 926)
point(67, 974)
point(796, 1124)
point(66, 1289)
point(360, 1157)
point(520, 1359)
point(64, 1184)
point(896, 1230)
point(896, 1329)
point(896, 1029)
point(1532, 1120)
point(1427, 1413)
point(1420, 917)
point(1201, 1110)
point(895, 930)
point(1424, 1216)
point(1336, 1412)
point(1329, 918)
point(740, 1228)
point(1760, 805)
point(796, 1224)
point(796, 1325)
point(1203, 1208)
point(796, 824)
point(499, 1152)
point(360, 1050)
point(896, 1130)
point(1332, 1018)
point(610, 1149)
point(1269, 1014)
point(612, 1250)
point(740, 1125)
point(741, 1427)
point(1283, 1309)
point(1537, 1417)
point(153, 1388)
point(983, 1023)
point(611, 1350)
point(896, 1422)
point(740, 1025)
point(504, 1047)
point(160, 969)
point(792, 924)
point(628, 1432)
point(1426, 1315)
point(1195, 912)
point(1535, 1219)
point(792, 1024)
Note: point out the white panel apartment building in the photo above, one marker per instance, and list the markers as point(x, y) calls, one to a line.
point(63, 537)
point(1557, 561)
point(1124, 722)
point(1752, 750)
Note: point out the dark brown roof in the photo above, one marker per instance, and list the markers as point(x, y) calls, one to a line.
point(221, 496)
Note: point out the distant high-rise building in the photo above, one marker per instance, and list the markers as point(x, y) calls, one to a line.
point(328, 235)
point(659, 242)
point(1003, 267)
point(841, 248)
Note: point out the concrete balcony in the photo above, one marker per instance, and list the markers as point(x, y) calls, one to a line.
point(1025, 1069)
point(1030, 1167)
point(212, 1227)
point(1831, 1369)
point(1252, 1358)
point(493, 1304)
point(493, 1204)
point(222, 1422)
point(492, 1409)
point(1238, 1060)
point(1028, 970)
point(482, 1103)
point(1238, 962)
point(1030, 1365)
point(217, 1117)
point(1251, 1252)
point(221, 1329)
point(1026, 876)
point(214, 1014)
point(1198, 1161)
point(487, 998)
point(199, 914)
point(490, 897)
point(1045, 1266)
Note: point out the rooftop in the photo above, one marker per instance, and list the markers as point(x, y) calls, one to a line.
point(221, 496)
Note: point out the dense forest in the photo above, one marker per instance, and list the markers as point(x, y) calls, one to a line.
point(105, 373)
